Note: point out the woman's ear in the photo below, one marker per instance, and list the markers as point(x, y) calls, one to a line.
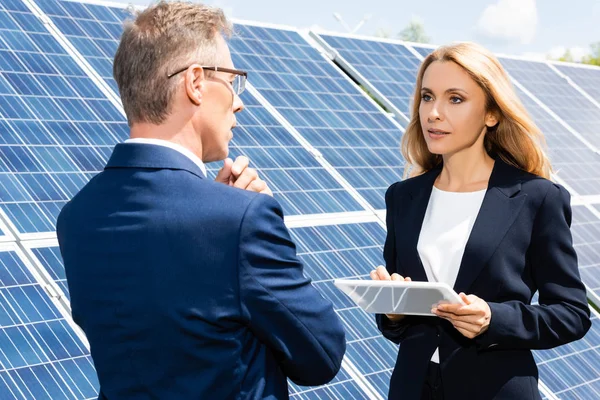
point(492, 119)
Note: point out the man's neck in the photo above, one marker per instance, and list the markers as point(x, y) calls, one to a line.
point(181, 134)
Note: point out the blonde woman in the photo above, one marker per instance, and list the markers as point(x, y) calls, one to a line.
point(479, 214)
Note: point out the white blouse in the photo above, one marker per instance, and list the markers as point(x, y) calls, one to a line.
point(447, 225)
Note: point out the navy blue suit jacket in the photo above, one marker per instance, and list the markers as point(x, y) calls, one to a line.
point(190, 289)
point(521, 243)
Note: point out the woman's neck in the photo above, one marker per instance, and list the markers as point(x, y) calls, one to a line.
point(465, 172)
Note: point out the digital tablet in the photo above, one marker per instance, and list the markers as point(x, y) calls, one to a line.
point(397, 297)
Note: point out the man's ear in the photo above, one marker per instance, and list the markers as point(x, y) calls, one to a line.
point(194, 83)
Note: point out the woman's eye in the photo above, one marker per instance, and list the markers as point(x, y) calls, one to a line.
point(455, 100)
point(426, 97)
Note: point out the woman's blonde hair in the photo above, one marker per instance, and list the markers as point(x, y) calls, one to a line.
point(516, 139)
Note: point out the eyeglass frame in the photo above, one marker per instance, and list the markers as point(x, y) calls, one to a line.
point(219, 69)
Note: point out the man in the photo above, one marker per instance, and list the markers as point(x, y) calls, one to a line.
point(187, 288)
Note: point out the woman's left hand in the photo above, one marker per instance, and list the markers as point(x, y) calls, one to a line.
point(470, 319)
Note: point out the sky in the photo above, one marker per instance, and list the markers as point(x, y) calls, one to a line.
point(533, 28)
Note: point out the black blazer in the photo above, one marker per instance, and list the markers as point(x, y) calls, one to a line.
point(521, 243)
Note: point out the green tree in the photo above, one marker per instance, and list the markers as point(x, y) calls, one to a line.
point(414, 32)
point(567, 57)
point(594, 57)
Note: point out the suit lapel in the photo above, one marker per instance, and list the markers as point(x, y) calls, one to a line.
point(412, 216)
point(499, 210)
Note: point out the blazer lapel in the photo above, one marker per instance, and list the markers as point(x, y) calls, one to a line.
point(499, 210)
point(411, 217)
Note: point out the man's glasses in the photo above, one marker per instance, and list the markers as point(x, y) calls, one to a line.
point(238, 84)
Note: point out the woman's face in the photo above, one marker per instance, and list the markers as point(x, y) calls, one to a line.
point(453, 109)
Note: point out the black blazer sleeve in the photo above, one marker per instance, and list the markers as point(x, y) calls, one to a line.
point(562, 315)
point(393, 331)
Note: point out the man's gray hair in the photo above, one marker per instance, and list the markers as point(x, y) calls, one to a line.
point(163, 38)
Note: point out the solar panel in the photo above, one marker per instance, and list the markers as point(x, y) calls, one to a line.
point(390, 67)
point(558, 95)
point(94, 30)
point(572, 371)
point(298, 181)
point(572, 160)
point(350, 251)
point(45, 255)
point(324, 106)
point(424, 51)
point(56, 127)
point(42, 357)
point(586, 77)
point(586, 239)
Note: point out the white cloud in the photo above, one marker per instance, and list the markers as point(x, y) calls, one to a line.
point(509, 20)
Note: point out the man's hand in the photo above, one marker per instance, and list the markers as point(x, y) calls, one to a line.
point(470, 319)
point(239, 175)
point(381, 274)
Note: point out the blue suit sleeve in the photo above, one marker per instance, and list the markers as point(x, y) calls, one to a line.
point(562, 315)
point(284, 310)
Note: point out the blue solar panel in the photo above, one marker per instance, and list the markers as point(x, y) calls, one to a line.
point(571, 160)
point(350, 251)
point(572, 371)
point(390, 67)
point(586, 77)
point(298, 180)
point(56, 127)
point(50, 260)
point(424, 51)
point(41, 357)
point(586, 238)
point(324, 106)
point(94, 30)
point(558, 95)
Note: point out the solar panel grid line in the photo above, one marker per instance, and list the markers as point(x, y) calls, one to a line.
point(52, 283)
point(575, 85)
point(300, 221)
point(546, 392)
point(76, 55)
point(321, 101)
point(589, 199)
point(48, 353)
point(60, 175)
point(572, 107)
point(555, 116)
point(347, 67)
point(54, 291)
point(311, 149)
point(360, 379)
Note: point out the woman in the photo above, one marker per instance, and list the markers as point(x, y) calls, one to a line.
point(479, 214)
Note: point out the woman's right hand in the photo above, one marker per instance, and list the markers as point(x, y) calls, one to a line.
point(381, 274)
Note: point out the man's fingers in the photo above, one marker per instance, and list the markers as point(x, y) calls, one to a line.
point(240, 164)
point(224, 173)
point(257, 185)
point(247, 176)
